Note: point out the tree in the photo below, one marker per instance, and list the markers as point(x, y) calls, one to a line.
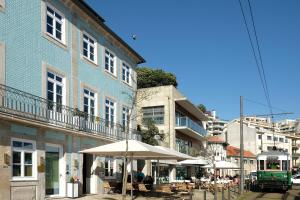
point(150, 134)
point(147, 77)
point(202, 108)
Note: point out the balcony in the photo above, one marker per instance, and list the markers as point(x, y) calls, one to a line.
point(29, 107)
point(295, 155)
point(190, 128)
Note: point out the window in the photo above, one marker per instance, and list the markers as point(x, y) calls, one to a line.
point(259, 137)
point(55, 23)
point(273, 164)
point(54, 91)
point(261, 165)
point(110, 62)
point(109, 167)
point(269, 148)
point(89, 49)
point(281, 139)
point(155, 113)
point(125, 116)
point(89, 99)
point(269, 137)
point(275, 139)
point(245, 161)
point(109, 112)
point(23, 159)
point(251, 162)
point(126, 73)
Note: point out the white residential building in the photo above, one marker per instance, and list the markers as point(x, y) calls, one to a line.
point(214, 125)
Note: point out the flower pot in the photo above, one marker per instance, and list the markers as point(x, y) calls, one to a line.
point(72, 190)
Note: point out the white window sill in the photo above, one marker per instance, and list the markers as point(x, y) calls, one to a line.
point(55, 41)
point(129, 85)
point(89, 61)
point(111, 74)
point(23, 179)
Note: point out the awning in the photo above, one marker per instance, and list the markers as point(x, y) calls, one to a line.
point(191, 108)
point(196, 161)
point(223, 165)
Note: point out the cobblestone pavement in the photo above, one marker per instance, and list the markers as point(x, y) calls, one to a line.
point(197, 195)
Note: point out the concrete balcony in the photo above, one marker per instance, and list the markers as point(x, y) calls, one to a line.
point(295, 146)
point(190, 128)
point(18, 105)
point(295, 155)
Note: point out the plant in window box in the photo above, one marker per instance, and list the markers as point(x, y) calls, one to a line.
point(72, 187)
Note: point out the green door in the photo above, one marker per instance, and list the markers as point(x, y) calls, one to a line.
point(52, 170)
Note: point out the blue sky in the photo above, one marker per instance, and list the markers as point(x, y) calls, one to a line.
point(205, 44)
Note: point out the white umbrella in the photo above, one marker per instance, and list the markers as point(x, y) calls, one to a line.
point(195, 161)
point(136, 150)
point(180, 156)
point(222, 165)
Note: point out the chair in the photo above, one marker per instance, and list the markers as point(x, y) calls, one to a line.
point(164, 189)
point(142, 188)
point(129, 186)
point(107, 187)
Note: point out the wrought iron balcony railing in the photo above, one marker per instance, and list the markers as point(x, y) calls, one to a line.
point(18, 103)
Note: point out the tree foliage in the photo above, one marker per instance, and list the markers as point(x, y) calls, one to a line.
point(150, 134)
point(202, 108)
point(147, 77)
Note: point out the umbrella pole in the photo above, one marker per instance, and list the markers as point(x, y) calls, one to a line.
point(157, 182)
point(131, 166)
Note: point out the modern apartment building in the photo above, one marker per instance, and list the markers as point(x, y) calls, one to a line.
point(178, 119)
point(65, 77)
point(214, 125)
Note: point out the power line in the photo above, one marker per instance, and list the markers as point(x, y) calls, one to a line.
point(254, 52)
point(265, 105)
point(260, 57)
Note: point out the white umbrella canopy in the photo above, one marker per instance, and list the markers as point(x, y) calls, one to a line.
point(178, 155)
point(195, 161)
point(223, 165)
point(136, 149)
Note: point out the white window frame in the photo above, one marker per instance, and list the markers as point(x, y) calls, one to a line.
point(109, 111)
point(55, 19)
point(95, 46)
point(126, 112)
point(114, 73)
point(129, 71)
point(89, 97)
point(111, 165)
point(23, 151)
point(55, 83)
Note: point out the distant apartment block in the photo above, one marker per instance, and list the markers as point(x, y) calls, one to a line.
point(214, 125)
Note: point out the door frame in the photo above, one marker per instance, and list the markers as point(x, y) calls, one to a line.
point(62, 170)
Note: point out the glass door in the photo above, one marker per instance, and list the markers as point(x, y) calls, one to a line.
point(52, 170)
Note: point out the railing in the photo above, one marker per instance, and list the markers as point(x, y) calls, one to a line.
point(187, 122)
point(18, 103)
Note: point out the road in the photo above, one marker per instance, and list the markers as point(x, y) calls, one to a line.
point(293, 194)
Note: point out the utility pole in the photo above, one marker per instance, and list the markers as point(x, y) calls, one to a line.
point(241, 147)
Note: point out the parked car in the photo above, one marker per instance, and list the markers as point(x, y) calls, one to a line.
point(253, 177)
point(296, 179)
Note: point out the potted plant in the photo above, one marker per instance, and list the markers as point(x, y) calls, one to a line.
point(72, 187)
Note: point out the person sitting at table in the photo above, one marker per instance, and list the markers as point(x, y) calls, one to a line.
point(140, 176)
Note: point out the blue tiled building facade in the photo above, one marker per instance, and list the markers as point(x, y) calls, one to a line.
point(66, 84)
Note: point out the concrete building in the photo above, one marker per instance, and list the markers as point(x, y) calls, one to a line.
point(63, 79)
point(214, 125)
point(178, 119)
point(257, 139)
point(233, 156)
